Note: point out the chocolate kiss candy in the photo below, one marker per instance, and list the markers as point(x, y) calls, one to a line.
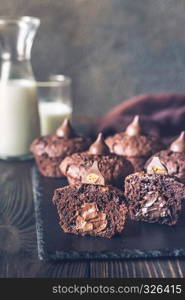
point(93, 175)
point(99, 146)
point(156, 167)
point(134, 128)
point(179, 144)
point(65, 130)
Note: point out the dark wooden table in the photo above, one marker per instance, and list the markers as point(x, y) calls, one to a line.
point(18, 244)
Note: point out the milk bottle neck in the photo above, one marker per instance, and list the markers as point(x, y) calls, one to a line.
point(16, 39)
point(15, 70)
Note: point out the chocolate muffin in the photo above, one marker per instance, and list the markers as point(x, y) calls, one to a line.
point(133, 144)
point(89, 209)
point(174, 157)
point(113, 167)
point(50, 150)
point(154, 195)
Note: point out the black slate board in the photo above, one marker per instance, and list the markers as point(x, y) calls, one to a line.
point(139, 239)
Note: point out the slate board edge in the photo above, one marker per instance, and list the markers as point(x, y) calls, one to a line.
point(75, 255)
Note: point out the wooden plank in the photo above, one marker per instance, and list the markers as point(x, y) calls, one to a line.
point(16, 209)
point(139, 269)
point(180, 267)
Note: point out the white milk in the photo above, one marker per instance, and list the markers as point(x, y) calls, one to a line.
point(52, 114)
point(19, 119)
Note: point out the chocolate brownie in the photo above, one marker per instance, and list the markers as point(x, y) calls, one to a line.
point(133, 144)
point(113, 167)
point(174, 157)
point(89, 209)
point(154, 196)
point(50, 150)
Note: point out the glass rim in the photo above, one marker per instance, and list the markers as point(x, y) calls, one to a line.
point(55, 80)
point(51, 83)
point(60, 78)
point(18, 19)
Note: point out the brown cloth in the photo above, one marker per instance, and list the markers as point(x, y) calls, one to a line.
point(162, 114)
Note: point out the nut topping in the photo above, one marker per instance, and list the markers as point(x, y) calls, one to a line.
point(91, 219)
point(156, 167)
point(93, 175)
point(92, 178)
point(101, 227)
point(83, 225)
point(153, 204)
point(89, 211)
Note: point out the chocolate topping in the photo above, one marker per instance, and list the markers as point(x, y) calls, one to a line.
point(134, 128)
point(93, 175)
point(179, 144)
point(99, 147)
point(156, 167)
point(65, 130)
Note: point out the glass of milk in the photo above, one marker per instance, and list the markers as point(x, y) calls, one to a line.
point(55, 102)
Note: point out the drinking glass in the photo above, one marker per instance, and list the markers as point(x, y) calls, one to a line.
point(55, 103)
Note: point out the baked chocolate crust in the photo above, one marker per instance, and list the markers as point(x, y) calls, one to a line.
point(174, 161)
point(114, 168)
point(133, 146)
point(50, 150)
point(137, 162)
point(137, 149)
point(90, 210)
point(154, 198)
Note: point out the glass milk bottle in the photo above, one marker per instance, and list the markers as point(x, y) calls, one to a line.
point(19, 117)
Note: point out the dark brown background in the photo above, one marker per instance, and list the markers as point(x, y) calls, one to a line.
point(112, 49)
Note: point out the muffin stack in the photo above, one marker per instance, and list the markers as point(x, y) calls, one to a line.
point(128, 174)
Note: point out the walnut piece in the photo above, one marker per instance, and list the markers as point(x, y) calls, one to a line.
point(89, 211)
point(92, 178)
point(156, 167)
point(101, 227)
point(90, 218)
point(104, 189)
point(153, 204)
